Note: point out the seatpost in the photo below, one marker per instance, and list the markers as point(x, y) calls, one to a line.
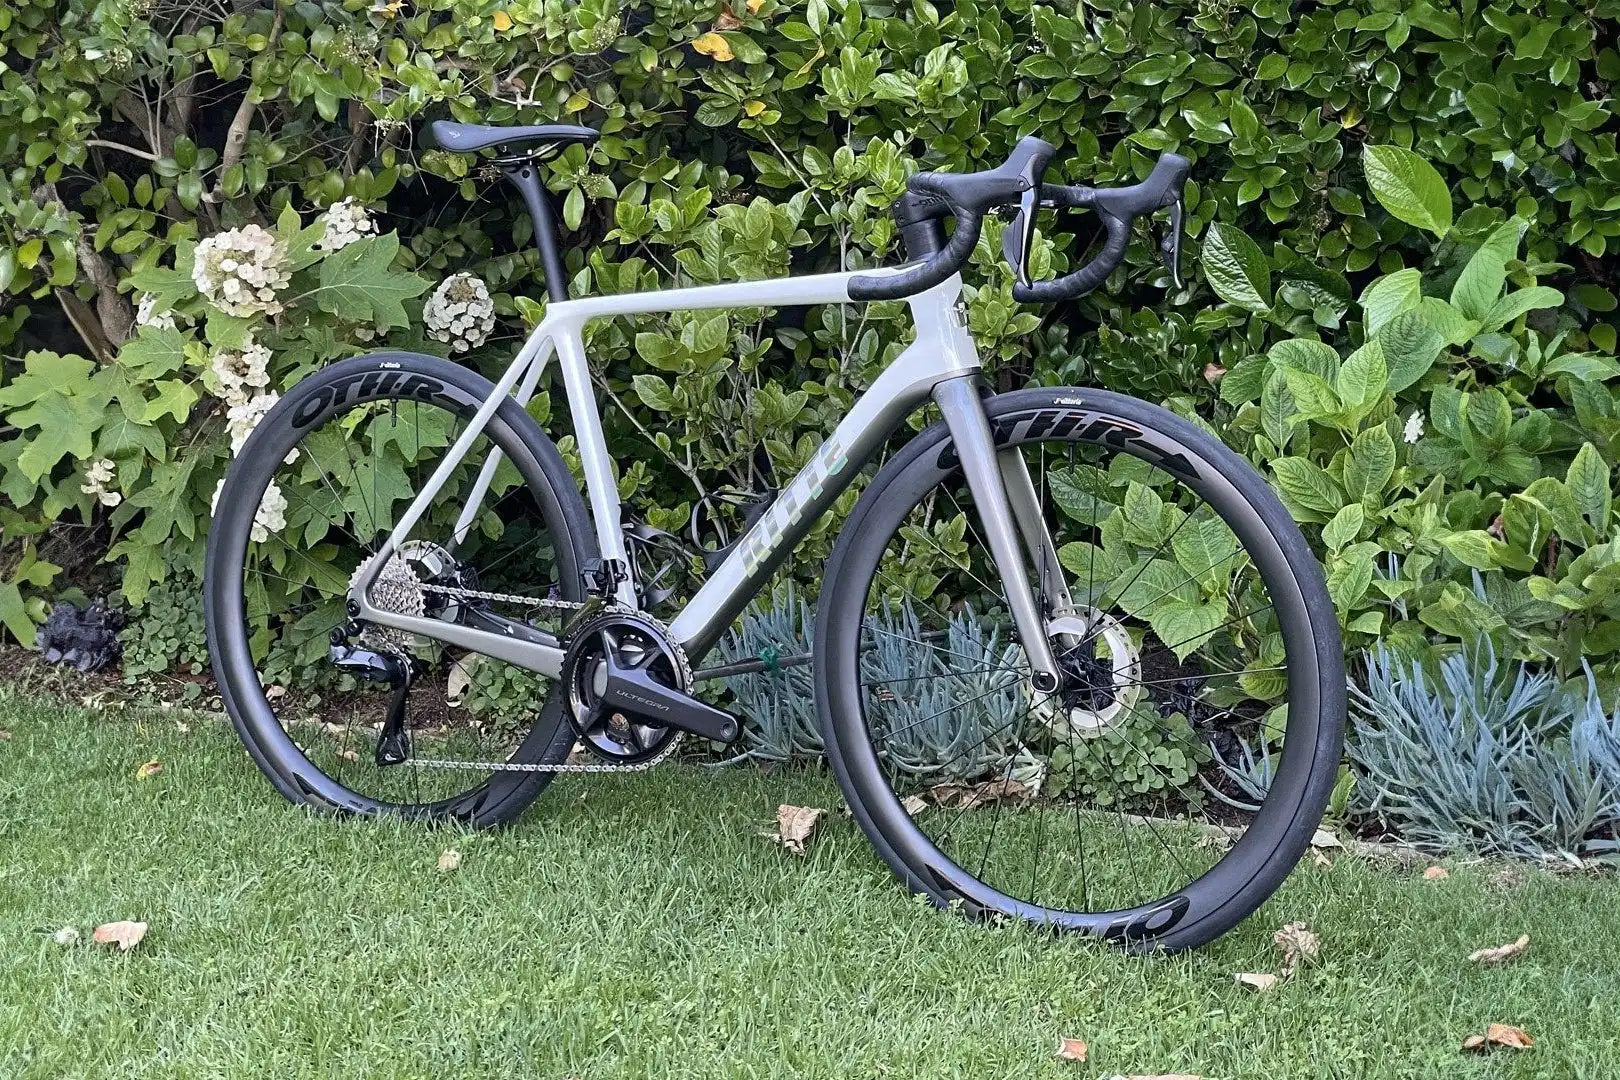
point(524, 173)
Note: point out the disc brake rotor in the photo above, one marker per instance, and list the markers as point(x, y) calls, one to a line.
point(1101, 674)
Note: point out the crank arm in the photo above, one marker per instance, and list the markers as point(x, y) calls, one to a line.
point(633, 690)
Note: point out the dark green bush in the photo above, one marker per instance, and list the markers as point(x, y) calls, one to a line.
point(763, 136)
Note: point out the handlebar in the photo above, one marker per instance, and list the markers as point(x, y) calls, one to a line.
point(1117, 207)
point(969, 196)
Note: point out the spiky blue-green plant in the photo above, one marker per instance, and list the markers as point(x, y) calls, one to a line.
point(1486, 756)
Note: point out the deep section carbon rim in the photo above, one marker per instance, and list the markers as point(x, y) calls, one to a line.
point(328, 480)
point(1158, 783)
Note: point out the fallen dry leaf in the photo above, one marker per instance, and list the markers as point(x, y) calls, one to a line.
point(125, 934)
point(914, 805)
point(1213, 372)
point(349, 755)
point(727, 20)
point(1500, 954)
point(1299, 946)
point(275, 692)
point(1319, 859)
point(1258, 981)
point(1071, 1049)
point(959, 796)
point(148, 770)
point(449, 859)
point(502, 21)
point(66, 936)
point(5, 736)
point(794, 824)
point(1436, 873)
point(1499, 1035)
point(1325, 838)
point(712, 44)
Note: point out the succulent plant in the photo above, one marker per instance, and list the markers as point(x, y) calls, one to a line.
point(1487, 756)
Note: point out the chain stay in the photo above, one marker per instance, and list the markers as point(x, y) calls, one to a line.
point(509, 766)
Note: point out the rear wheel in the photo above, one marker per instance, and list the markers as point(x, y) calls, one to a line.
point(378, 721)
point(1176, 776)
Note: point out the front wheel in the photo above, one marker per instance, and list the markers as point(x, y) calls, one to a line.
point(1168, 786)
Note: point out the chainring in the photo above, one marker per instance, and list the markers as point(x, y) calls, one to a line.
point(616, 735)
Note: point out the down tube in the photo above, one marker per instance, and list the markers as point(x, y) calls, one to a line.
point(882, 409)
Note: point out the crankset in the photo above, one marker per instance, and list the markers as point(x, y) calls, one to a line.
point(627, 683)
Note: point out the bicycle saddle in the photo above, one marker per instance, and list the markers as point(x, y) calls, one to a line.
point(464, 138)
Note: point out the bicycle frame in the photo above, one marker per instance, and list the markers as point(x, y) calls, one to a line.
point(941, 363)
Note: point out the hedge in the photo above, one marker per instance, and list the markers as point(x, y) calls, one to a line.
point(769, 136)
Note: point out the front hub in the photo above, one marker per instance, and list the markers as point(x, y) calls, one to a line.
point(1101, 674)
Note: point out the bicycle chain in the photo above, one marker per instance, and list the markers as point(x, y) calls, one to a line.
point(508, 766)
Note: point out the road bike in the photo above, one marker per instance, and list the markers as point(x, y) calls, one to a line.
point(1073, 662)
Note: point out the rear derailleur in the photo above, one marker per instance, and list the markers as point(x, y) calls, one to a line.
point(398, 670)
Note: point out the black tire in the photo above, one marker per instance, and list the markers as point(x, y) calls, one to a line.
point(1209, 903)
point(397, 378)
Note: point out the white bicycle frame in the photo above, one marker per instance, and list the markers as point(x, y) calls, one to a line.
point(941, 363)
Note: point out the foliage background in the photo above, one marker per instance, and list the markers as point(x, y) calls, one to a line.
point(767, 136)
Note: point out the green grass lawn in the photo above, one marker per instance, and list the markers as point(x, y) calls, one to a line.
point(642, 926)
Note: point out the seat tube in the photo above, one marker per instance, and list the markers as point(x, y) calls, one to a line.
point(600, 488)
point(959, 402)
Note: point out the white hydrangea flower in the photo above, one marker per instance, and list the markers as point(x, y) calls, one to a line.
point(243, 417)
point(241, 374)
point(269, 518)
point(145, 316)
point(241, 270)
point(96, 478)
point(1414, 426)
point(346, 222)
point(460, 312)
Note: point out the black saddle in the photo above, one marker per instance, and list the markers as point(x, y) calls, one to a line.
point(465, 138)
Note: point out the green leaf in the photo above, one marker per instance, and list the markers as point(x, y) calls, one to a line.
point(1349, 576)
point(1185, 627)
point(1236, 268)
point(14, 614)
point(1389, 296)
point(175, 397)
point(1207, 550)
point(359, 283)
point(1305, 485)
point(47, 374)
point(1313, 395)
point(1143, 589)
point(1517, 303)
point(1079, 493)
point(153, 353)
point(1473, 548)
point(1588, 481)
point(1362, 380)
point(1245, 380)
point(1371, 464)
point(654, 393)
point(1304, 354)
point(1345, 526)
point(1480, 283)
point(1409, 343)
point(1408, 187)
point(167, 287)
